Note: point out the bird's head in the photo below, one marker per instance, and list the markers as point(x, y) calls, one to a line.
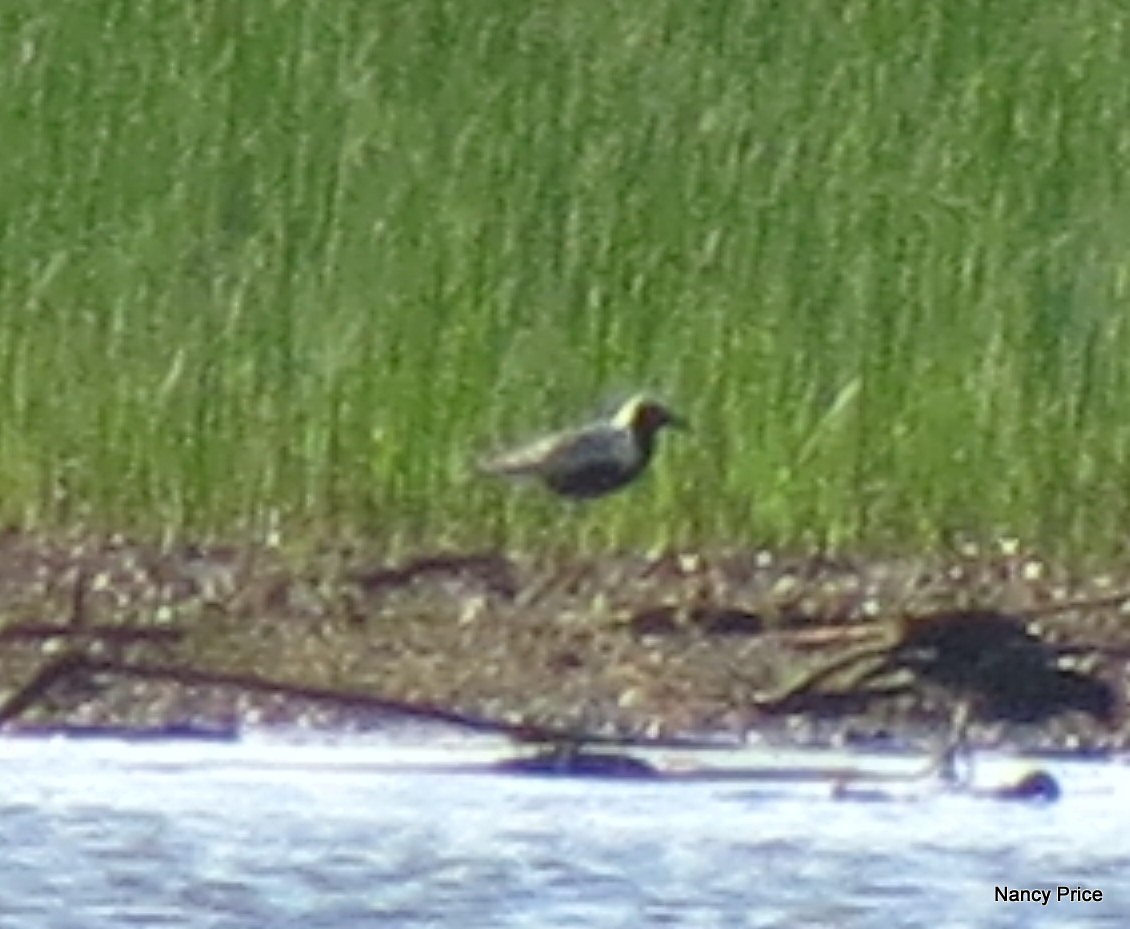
point(645, 416)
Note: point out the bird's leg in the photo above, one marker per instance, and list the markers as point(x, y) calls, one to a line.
point(953, 762)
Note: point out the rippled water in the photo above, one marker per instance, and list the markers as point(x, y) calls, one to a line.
point(107, 835)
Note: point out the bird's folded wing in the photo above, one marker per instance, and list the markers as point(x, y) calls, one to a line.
point(566, 451)
point(524, 460)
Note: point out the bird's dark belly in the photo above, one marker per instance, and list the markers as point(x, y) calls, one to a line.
point(592, 481)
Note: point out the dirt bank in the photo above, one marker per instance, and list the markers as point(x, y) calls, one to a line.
point(674, 643)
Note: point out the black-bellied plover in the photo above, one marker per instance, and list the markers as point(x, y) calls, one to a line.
point(596, 459)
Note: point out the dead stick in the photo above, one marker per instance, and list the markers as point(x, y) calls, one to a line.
point(39, 632)
point(348, 699)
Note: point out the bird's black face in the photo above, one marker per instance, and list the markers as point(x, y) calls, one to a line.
point(651, 417)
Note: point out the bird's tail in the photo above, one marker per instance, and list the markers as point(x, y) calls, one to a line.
point(511, 465)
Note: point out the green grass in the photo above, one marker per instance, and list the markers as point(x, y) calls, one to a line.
point(295, 263)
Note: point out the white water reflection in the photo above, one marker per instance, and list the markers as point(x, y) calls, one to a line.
point(97, 835)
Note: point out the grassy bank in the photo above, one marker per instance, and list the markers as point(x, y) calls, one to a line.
point(298, 263)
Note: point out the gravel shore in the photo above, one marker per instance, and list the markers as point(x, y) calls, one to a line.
point(216, 638)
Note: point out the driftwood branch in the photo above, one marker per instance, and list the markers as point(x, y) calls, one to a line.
point(115, 634)
point(50, 674)
point(65, 666)
point(804, 693)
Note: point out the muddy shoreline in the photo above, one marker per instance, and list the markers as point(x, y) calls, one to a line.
point(669, 645)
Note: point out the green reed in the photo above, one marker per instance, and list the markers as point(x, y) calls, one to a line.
point(294, 264)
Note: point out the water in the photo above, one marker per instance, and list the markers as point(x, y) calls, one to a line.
point(99, 835)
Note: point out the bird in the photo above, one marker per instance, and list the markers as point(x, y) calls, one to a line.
point(996, 666)
point(986, 665)
point(1003, 665)
point(594, 460)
